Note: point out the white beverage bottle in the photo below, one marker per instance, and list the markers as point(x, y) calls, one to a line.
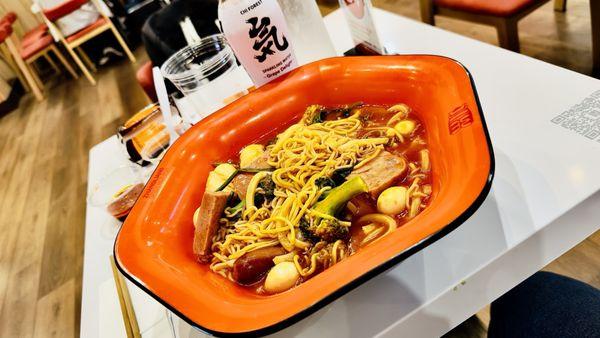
point(258, 33)
point(308, 33)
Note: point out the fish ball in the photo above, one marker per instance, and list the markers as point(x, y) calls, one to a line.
point(405, 127)
point(282, 277)
point(392, 201)
point(250, 153)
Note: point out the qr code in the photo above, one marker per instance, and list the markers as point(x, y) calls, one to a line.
point(583, 118)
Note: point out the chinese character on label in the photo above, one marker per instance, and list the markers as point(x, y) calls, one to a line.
point(265, 35)
point(259, 35)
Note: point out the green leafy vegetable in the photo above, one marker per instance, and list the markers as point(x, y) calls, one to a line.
point(339, 175)
point(238, 171)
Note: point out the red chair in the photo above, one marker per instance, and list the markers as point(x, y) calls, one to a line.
point(9, 17)
point(503, 14)
point(4, 33)
point(146, 80)
point(73, 42)
point(10, 49)
point(35, 33)
point(38, 43)
point(35, 45)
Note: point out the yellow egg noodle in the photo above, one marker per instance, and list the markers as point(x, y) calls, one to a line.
point(301, 155)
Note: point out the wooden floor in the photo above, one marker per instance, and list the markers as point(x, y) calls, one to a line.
point(43, 168)
point(563, 39)
point(43, 181)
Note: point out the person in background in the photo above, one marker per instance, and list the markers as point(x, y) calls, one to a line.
point(547, 305)
point(162, 34)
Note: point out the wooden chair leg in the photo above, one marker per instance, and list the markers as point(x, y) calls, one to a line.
point(12, 47)
point(561, 5)
point(34, 74)
point(81, 66)
point(11, 63)
point(5, 89)
point(64, 61)
point(122, 43)
point(52, 63)
point(86, 59)
point(34, 67)
point(427, 14)
point(508, 34)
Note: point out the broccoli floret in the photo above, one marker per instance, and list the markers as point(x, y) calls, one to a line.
point(323, 182)
point(308, 232)
point(319, 114)
point(267, 185)
point(339, 175)
point(266, 192)
point(313, 114)
point(337, 178)
point(330, 228)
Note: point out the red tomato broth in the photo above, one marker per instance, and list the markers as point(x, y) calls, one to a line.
point(409, 149)
point(373, 116)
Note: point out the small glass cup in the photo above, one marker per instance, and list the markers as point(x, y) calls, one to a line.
point(145, 138)
point(207, 74)
point(154, 149)
point(117, 191)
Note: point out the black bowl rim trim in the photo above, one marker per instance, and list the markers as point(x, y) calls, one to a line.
point(344, 289)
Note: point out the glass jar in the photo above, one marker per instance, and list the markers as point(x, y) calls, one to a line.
point(207, 74)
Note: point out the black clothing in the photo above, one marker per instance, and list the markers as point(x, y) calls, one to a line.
point(162, 34)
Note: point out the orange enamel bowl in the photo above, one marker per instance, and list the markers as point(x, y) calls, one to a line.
point(154, 245)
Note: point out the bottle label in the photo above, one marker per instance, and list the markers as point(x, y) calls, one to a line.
point(258, 33)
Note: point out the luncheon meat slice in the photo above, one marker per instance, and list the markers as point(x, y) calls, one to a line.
point(240, 184)
point(213, 204)
point(381, 172)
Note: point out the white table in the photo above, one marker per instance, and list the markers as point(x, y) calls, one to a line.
point(544, 201)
